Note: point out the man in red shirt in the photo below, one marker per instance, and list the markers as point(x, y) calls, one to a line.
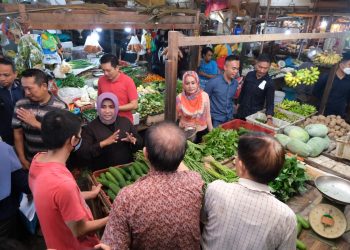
point(65, 219)
point(119, 84)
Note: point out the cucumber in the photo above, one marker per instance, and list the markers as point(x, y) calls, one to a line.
point(132, 172)
point(300, 245)
point(103, 176)
point(111, 194)
point(144, 168)
point(114, 188)
point(304, 223)
point(299, 228)
point(138, 169)
point(123, 172)
point(104, 182)
point(118, 176)
point(136, 177)
point(110, 177)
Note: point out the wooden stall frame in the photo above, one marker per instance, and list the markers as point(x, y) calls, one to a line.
point(176, 40)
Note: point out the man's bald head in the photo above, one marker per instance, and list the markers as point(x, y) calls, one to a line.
point(166, 146)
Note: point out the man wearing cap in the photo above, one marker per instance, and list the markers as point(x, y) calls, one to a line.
point(339, 96)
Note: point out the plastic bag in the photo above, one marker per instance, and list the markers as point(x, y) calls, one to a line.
point(30, 54)
point(134, 45)
point(91, 45)
point(69, 94)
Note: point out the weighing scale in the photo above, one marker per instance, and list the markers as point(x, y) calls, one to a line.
point(327, 219)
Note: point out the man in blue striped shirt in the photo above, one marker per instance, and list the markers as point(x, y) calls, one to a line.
point(221, 91)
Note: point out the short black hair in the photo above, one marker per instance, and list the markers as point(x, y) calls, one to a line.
point(109, 58)
point(205, 50)
point(60, 123)
point(39, 76)
point(231, 58)
point(166, 146)
point(262, 155)
point(9, 62)
point(263, 58)
point(345, 57)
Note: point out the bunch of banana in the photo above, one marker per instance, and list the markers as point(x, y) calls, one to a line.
point(292, 80)
point(302, 76)
point(288, 104)
point(326, 58)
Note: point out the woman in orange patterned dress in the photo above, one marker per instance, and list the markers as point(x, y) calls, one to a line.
point(193, 106)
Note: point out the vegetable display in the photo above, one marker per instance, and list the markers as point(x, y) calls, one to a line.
point(89, 114)
point(73, 81)
point(116, 178)
point(222, 144)
point(297, 107)
point(297, 140)
point(150, 104)
point(290, 181)
point(153, 78)
point(208, 167)
point(285, 117)
point(337, 127)
point(79, 64)
point(302, 76)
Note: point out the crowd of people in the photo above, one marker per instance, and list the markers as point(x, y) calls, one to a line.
point(166, 208)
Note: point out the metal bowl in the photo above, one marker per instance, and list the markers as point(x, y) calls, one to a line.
point(334, 188)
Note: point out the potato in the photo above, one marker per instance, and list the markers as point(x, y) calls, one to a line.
point(321, 117)
point(338, 117)
point(332, 124)
point(327, 120)
point(338, 133)
point(331, 135)
point(343, 131)
point(336, 127)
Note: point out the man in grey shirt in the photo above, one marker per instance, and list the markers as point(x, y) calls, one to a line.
point(245, 215)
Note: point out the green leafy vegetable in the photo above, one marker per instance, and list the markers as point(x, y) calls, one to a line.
point(220, 143)
point(290, 181)
point(150, 104)
point(73, 81)
point(79, 64)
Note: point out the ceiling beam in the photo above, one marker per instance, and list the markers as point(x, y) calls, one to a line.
point(66, 19)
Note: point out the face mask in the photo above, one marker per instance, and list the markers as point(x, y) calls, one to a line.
point(76, 147)
point(346, 71)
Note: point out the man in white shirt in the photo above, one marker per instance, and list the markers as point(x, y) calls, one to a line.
point(245, 215)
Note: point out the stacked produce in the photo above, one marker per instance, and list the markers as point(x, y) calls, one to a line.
point(297, 107)
point(153, 78)
point(285, 117)
point(326, 59)
point(73, 81)
point(302, 76)
point(116, 178)
point(135, 73)
point(211, 170)
point(297, 140)
point(290, 181)
point(337, 127)
point(150, 104)
point(221, 143)
point(79, 64)
point(89, 114)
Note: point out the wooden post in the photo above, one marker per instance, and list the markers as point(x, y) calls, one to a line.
point(327, 89)
point(171, 76)
point(330, 79)
point(266, 18)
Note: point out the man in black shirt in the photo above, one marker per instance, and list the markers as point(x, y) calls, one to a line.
point(258, 89)
point(10, 92)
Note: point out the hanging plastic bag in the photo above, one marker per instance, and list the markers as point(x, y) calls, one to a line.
point(30, 54)
point(91, 45)
point(134, 45)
